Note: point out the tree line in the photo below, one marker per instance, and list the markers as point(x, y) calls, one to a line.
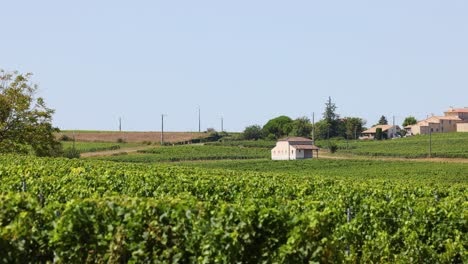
point(330, 126)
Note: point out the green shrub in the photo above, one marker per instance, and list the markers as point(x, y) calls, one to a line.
point(71, 153)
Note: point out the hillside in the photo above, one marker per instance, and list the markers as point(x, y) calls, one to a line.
point(444, 145)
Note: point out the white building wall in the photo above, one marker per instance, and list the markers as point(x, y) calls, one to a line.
point(280, 152)
point(283, 151)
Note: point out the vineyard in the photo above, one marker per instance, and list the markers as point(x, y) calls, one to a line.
point(96, 211)
point(83, 147)
point(191, 152)
point(444, 145)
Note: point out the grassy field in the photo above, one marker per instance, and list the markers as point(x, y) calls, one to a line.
point(445, 145)
point(83, 147)
point(191, 152)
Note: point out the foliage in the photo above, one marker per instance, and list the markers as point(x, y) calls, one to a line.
point(353, 127)
point(331, 119)
point(25, 121)
point(68, 211)
point(332, 147)
point(71, 153)
point(301, 127)
point(378, 133)
point(383, 121)
point(278, 127)
point(410, 120)
point(252, 132)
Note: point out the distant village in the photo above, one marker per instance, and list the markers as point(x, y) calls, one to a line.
point(453, 120)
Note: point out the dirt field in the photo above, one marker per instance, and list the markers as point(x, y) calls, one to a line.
point(98, 136)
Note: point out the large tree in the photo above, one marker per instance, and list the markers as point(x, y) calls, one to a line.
point(301, 127)
point(353, 126)
point(252, 132)
point(25, 121)
point(332, 119)
point(383, 121)
point(278, 127)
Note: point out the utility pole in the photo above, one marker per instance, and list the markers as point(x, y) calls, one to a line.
point(199, 120)
point(393, 128)
point(222, 125)
point(162, 129)
point(73, 139)
point(430, 141)
point(313, 127)
point(120, 124)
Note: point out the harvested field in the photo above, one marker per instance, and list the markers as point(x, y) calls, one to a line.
point(106, 136)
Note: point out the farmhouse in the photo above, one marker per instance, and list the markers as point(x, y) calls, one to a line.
point(454, 120)
point(292, 148)
point(390, 130)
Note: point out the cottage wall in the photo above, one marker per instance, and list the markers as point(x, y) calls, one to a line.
point(282, 151)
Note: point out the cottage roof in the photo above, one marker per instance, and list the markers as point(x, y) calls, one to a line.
point(374, 129)
point(296, 139)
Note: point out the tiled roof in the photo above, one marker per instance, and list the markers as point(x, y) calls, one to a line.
point(296, 139)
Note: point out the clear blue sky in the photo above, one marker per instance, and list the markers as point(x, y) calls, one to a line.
point(248, 61)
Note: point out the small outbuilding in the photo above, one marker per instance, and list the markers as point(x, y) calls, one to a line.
point(292, 148)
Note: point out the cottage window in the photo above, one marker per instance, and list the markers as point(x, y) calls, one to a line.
point(450, 122)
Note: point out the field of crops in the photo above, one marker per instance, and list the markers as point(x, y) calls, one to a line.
point(83, 147)
point(191, 152)
point(95, 211)
point(446, 145)
point(245, 143)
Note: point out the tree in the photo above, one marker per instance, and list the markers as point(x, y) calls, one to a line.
point(301, 127)
point(321, 129)
point(25, 121)
point(353, 127)
point(278, 127)
point(378, 133)
point(252, 132)
point(331, 118)
point(410, 120)
point(383, 120)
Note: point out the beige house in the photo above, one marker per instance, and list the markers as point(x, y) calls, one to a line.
point(292, 148)
point(390, 130)
point(452, 121)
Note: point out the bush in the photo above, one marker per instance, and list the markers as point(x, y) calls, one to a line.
point(71, 153)
point(120, 140)
point(332, 147)
point(65, 138)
